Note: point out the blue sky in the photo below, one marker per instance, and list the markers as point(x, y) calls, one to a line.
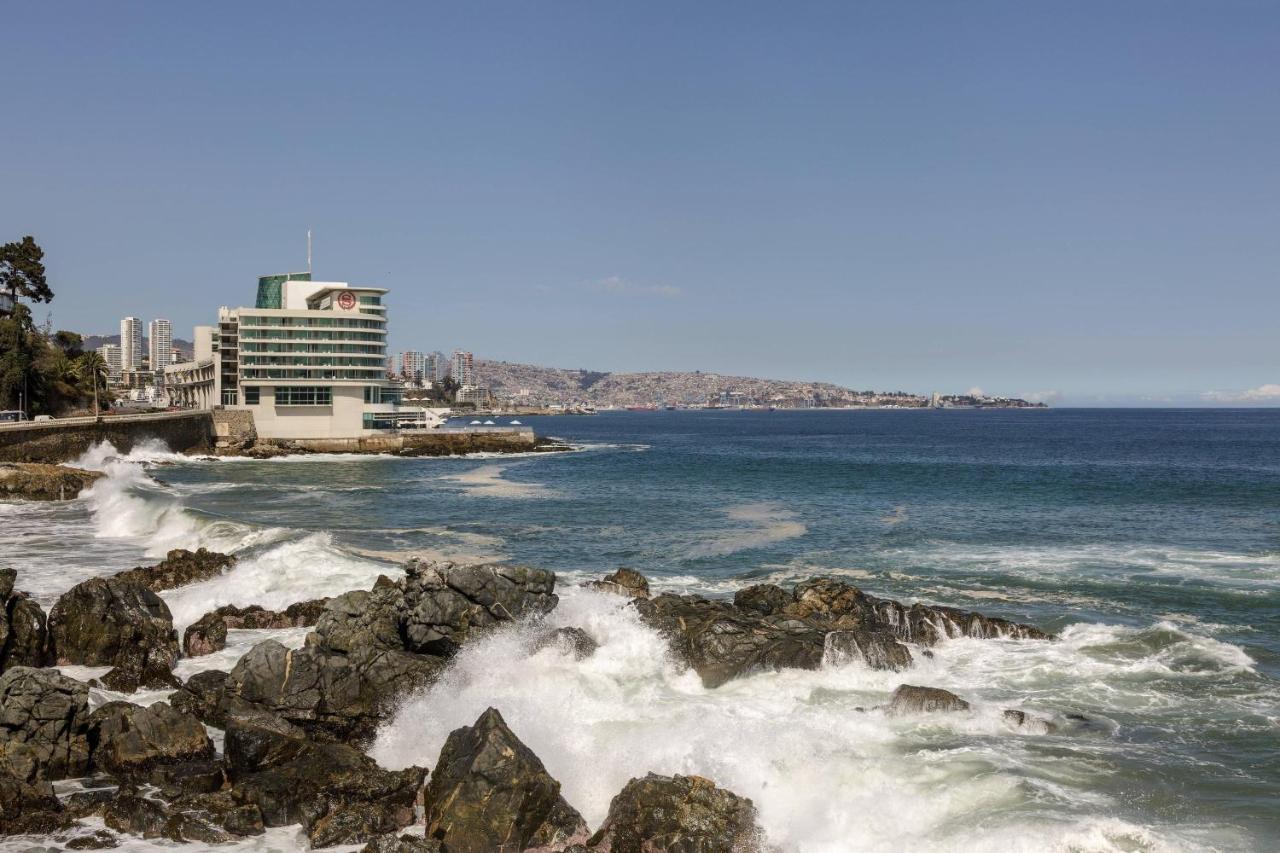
point(1077, 200)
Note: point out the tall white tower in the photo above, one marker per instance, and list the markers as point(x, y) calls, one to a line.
point(130, 344)
point(161, 344)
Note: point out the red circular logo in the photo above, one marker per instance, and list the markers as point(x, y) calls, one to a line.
point(346, 300)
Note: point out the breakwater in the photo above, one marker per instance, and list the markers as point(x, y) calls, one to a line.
point(68, 438)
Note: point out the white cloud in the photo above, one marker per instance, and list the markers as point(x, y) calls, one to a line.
point(1047, 397)
point(617, 284)
point(1269, 393)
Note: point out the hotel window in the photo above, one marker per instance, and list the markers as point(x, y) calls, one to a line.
point(289, 395)
point(371, 394)
point(252, 395)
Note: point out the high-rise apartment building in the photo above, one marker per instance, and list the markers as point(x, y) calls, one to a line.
point(111, 355)
point(130, 344)
point(436, 367)
point(411, 365)
point(463, 368)
point(160, 334)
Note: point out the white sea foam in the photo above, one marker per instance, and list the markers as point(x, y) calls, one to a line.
point(824, 775)
point(763, 523)
point(488, 481)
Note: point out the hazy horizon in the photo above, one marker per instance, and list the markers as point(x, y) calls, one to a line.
point(1075, 204)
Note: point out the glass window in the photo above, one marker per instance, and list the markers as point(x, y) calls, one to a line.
point(302, 395)
point(252, 395)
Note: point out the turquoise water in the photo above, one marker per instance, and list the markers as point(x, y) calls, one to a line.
point(1150, 540)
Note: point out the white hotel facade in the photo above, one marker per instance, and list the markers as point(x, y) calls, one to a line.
point(308, 360)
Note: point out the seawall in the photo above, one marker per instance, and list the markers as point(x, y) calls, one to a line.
point(427, 443)
point(67, 438)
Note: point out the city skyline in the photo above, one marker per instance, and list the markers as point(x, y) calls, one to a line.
point(853, 194)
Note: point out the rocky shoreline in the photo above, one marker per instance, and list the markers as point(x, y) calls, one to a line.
point(35, 481)
point(295, 722)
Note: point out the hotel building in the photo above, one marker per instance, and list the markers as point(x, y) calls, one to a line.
point(130, 344)
point(111, 355)
point(160, 342)
point(463, 368)
point(308, 360)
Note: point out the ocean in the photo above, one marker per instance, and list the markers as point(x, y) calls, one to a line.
point(1148, 541)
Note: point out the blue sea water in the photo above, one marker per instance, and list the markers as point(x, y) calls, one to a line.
point(1149, 541)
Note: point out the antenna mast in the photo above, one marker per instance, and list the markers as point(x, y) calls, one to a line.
point(308, 250)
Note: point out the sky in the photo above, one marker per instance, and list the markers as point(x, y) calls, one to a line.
point(1077, 202)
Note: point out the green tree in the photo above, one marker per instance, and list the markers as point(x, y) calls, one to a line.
point(93, 368)
point(17, 346)
point(22, 271)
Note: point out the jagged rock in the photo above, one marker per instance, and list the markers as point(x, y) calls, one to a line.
point(677, 813)
point(100, 840)
point(624, 581)
point(256, 739)
point(821, 620)
point(84, 804)
point(29, 807)
point(765, 599)
point(38, 482)
point(23, 638)
point(204, 697)
point(130, 741)
point(110, 622)
point(189, 777)
point(126, 679)
point(205, 636)
point(572, 641)
point(369, 648)
point(489, 792)
point(179, 568)
point(909, 699)
point(44, 723)
point(302, 614)
point(391, 843)
point(136, 815)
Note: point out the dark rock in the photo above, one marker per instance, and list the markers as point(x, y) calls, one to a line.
point(677, 813)
point(205, 636)
point(194, 827)
point(821, 620)
point(303, 614)
point(390, 843)
point(256, 739)
point(244, 821)
point(876, 650)
point(154, 676)
point(34, 481)
point(624, 581)
point(189, 777)
point(100, 840)
point(179, 568)
point(489, 792)
point(109, 622)
point(204, 697)
point(571, 641)
point(1028, 723)
point(44, 724)
point(23, 638)
point(29, 807)
point(765, 599)
point(136, 815)
point(909, 699)
point(130, 741)
point(370, 648)
point(84, 804)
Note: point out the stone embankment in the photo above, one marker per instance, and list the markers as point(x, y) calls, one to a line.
point(296, 720)
point(68, 438)
point(429, 443)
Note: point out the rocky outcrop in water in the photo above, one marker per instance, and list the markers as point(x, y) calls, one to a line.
point(571, 641)
point(370, 647)
point(179, 568)
point(38, 482)
point(44, 725)
point(489, 792)
point(23, 638)
point(765, 628)
point(624, 581)
point(29, 807)
point(209, 633)
point(129, 741)
point(112, 622)
point(204, 697)
point(910, 699)
point(672, 814)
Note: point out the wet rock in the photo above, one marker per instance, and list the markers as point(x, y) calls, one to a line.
point(1027, 723)
point(244, 821)
point(130, 741)
point(256, 739)
point(571, 641)
point(154, 676)
point(44, 724)
point(110, 622)
point(203, 696)
point(205, 636)
point(489, 792)
point(765, 599)
point(391, 843)
point(23, 637)
point(677, 813)
point(874, 649)
point(133, 814)
point(371, 647)
point(189, 777)
point(909, 699)
point(100, 840)
point(624, 581)
point(821, 620)
point(179, 568)
point(37, 482)
point(29, 807)
point(302, 614)
point(84, 804)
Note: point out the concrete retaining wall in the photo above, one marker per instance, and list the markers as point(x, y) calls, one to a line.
point(67, 438)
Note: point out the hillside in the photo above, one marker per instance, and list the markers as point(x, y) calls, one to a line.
point(527, 383)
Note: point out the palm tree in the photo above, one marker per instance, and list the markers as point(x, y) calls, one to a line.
point(93, 367)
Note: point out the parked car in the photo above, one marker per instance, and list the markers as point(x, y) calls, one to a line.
point(39, 418)
point(9, 416)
